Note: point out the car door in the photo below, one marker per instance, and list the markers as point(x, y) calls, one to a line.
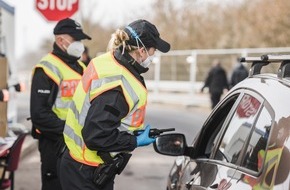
point(243, 144)
point(226, 153)
point(197, 172)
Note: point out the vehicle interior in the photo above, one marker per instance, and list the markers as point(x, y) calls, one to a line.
point(212, 127)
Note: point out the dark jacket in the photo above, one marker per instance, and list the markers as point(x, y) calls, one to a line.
point(216, 80)
point(239, 74)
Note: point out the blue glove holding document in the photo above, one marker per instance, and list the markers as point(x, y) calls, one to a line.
point(143, 139)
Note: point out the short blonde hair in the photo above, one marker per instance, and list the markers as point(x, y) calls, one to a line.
point(119, 38)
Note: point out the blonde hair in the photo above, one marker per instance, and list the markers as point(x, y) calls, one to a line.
point(119, 38)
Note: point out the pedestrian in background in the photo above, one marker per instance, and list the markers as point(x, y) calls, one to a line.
point(86, 56)
point(108, 105)
point(240, 72)
point(217, 82)
point(54, 81)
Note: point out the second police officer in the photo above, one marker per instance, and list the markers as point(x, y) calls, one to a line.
point(54, 81)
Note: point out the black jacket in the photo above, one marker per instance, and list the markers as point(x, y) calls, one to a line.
point(216, 80)
point(100, 131)
point(239, 74)
point(43, 94)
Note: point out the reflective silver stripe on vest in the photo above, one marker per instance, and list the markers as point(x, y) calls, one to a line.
point(126, 121)
point(83, 114)
point(53, 68)
point(60, 103)
point(128, 87)
point(70, 133)
point(68, 130)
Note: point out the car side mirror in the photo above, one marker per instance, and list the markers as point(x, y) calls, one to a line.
point(173, 144)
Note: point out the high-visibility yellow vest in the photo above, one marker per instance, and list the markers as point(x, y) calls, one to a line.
point(103, 74)
point(66, 78)
point(271, 164)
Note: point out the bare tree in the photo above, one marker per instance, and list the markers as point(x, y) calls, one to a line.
point(192, 24)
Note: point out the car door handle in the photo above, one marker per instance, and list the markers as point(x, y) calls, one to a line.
point(189, 184)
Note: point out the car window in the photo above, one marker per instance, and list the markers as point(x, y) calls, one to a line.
point(238, 129)
point(212, 127)
point(254, 156)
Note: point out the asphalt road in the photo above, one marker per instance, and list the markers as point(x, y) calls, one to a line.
point(146, 169)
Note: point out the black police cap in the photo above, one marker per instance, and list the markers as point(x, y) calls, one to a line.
point(148, 34)
point(72, 28)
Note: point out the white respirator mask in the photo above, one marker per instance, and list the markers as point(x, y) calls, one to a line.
point(75, 48)
point(147, 61)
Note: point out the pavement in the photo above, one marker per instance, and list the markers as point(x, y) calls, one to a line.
point(27, 175)
point(200, 100)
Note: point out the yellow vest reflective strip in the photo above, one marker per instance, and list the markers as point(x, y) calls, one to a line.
point(66, 78)
point(108, 75)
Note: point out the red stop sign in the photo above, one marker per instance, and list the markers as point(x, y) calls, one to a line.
point(55, 10)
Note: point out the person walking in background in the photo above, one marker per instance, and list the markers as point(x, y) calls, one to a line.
point(240, 72)
point(86, 56)
point(54, 81)
point(108, 105)
point(216, 81)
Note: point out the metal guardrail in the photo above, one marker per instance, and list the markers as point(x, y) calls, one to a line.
point(192, 57)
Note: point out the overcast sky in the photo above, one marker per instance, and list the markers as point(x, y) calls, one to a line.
point(32, 28)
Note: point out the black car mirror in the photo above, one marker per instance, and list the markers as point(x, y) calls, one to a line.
point(173, 144)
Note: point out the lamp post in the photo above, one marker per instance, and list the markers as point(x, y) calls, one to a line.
point(156, 62)
point(192, 78)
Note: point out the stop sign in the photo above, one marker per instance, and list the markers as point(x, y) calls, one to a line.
point(55, 10)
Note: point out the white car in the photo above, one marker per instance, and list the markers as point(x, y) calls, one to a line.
point(244, 144)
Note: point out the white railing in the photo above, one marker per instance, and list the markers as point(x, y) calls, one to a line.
point(191, 86)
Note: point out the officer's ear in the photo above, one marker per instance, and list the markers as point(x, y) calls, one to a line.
point(142, 50)
point(59, 39)
point(60, 42)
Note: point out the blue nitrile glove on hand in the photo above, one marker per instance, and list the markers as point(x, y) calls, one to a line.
point(143, 139)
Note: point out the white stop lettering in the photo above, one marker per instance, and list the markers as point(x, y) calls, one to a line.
point(60, 5)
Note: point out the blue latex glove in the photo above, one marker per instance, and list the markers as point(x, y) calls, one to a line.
point(143, 139)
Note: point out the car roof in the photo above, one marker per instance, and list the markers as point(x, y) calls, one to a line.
point(273, 87)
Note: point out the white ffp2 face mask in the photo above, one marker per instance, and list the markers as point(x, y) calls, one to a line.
point(147, 61)
point(76, 49)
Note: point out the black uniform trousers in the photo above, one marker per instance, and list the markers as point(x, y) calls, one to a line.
point(49, 160)
point(77, 176)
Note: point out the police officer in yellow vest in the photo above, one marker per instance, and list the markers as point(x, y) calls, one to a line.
point(108, 105)
point(54, 81)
